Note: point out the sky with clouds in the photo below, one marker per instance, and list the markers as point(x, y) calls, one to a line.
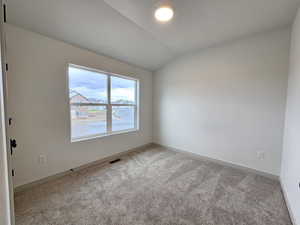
point(93, 85)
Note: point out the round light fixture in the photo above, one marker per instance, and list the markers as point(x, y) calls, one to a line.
point(164, 13)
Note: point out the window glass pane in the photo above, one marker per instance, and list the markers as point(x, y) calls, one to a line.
point(87, 86)
point(123, 118)
point(122, 90)
point(88, 121)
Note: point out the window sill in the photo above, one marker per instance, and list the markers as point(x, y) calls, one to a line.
point(103, 135)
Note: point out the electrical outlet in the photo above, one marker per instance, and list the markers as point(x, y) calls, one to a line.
point(261, 155)
point(42, 159)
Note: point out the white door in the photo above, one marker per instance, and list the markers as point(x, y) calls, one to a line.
point(6, 187)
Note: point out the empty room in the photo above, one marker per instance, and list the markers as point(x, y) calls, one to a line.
point(150, 112)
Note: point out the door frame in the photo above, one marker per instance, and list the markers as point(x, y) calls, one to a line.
point(6, 160)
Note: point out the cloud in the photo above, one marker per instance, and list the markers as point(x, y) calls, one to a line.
point(123, 93)
point(94, 85)
point(85, 78)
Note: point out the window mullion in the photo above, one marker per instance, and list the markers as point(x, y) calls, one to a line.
point(136, 107)
point(109, 107)
point(136, 125)
point(88, 104)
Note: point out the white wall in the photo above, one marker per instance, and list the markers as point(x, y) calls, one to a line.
point(290, 169)
point(38, 103)
point(226, 102)
point(4, 179)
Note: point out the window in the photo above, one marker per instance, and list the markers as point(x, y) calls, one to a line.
point(101, 103)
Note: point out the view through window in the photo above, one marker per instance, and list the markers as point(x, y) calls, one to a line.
point(101, 103)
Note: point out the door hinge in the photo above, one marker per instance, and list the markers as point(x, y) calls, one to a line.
point(6, 66)
point(13, 172)
point(9, 121)
point(4, 13)
point(13, 144)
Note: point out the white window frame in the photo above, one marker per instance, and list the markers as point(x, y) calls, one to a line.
point(108, 106)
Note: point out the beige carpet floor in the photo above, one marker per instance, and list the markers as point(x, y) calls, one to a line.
point(156, 187)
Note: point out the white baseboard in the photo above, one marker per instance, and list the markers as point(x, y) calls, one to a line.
point(105, 160)
point(122, 154)
point(221, 162)
point(287, 202)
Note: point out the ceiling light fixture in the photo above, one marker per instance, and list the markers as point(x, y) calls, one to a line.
point(164, 13)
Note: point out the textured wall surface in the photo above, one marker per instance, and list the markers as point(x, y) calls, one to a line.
point(290, 170)
point(39, 105)
point(227, 102)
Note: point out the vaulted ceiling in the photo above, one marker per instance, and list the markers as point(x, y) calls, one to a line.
point(126, 29)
